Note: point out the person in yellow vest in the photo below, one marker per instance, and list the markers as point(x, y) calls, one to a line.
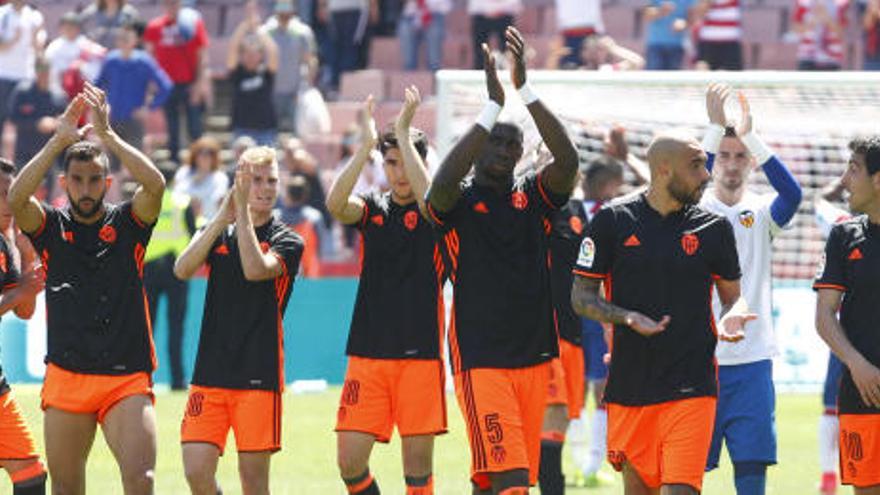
point(174, 228)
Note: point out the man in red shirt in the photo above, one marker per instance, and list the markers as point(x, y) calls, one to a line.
point(178, 40)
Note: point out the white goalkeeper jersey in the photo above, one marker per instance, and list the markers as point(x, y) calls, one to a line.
point(754, 229)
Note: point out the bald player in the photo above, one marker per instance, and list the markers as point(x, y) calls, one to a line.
point(660, 256)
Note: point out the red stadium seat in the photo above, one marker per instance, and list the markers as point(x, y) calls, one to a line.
point(355, 86)
point(400, 80)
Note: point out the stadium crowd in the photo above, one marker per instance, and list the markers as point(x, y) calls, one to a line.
point(110, 77)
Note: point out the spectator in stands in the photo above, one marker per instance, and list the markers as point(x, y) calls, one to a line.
point(297, 161)
point(252, 62)
point(576, 20)
point(306, 221)
point(490, 17)
point(297, 59)
point(178, 40)
point(719, 36)
point(598, 52)
point(667, 32)
point(871, 34)
point(22, 37)
point(32, 109)
point(312, 115)
point(73, 58)
point(128, 77)
point(347, 21)
point(819, 25)
point(202, 179)
point(104, 18)
point(423, 20)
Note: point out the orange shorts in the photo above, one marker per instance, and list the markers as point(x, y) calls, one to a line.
point(567, 379)
point(16, 440)
point(91, 394)
point(504, 413)
point(665, 443)
point(381, 393)
point(860, 449)
point(253, 415)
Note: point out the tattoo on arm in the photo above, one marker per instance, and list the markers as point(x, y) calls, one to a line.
point(587, 302)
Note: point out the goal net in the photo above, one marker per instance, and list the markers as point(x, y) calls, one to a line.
point(806, 118)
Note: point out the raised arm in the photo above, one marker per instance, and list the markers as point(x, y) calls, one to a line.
point(27, 210)
point(256, 264)
point(341, 204)
point(865, 375)
point(199, 247)
point(232, 56)
point(416, 171)
point(147, 200)
point(587, 302)
point(616, 146)
point(445, 188)
point(559, 175)
point(625, 58)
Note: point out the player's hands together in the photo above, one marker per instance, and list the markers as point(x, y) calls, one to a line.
point(493, 84)
point(100, 110)
point(369, 134)
point(67, 131)
point(244, 179)
point(615, 144)
point(516, 46)
point(411, 101)
point(732, 325)
point(646, 326)
point(867, 379)
point(745, 123)
point(226, 212)
point(716, 95)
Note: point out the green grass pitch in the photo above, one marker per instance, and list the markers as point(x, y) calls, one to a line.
point(307, 465)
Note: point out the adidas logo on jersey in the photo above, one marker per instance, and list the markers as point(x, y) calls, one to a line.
point(632, 241)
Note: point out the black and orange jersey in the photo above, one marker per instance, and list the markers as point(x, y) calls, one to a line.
point(497, 257)
point(569, 228)
point(852, 266)
point(96, 307)
point(399, 310)
point(660, 266)
point(242, 339)
point(8, 279)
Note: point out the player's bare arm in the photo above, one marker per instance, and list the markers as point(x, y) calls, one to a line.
point(445, 188)
point(147, 200)
point(26, 209)
point(734, 311)
point(256, 264)
point(27, 265)
point(28, 287)
point(865, 375)
point(199, 247)
point(589, 303)
point(345, 207)
point(416, 171)
point(559, 175)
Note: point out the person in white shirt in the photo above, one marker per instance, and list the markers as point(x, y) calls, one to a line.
point(490, 17)
point(576, 20)
point(22, 38)
point(423, 20)
point(746, 397)
point(69, 53)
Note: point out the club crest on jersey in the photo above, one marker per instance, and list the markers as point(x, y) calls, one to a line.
point(378, 220)
point(411, 220)
point(747, 218)
point(690, 243)
point(587, 253)
point(107, 234)
point(519, 200)
point(3, 263)
point(577, 226)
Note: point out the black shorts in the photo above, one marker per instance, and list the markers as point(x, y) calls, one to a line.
point(724, 55)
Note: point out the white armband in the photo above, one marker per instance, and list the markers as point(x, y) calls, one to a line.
point(527, 94)
point(712, 140)
point(757, 147)
point(489, 115)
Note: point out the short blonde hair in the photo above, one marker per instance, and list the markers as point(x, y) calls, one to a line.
point(259, 156)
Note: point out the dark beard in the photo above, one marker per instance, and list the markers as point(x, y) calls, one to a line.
point(86, 213)
point(685, 197)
